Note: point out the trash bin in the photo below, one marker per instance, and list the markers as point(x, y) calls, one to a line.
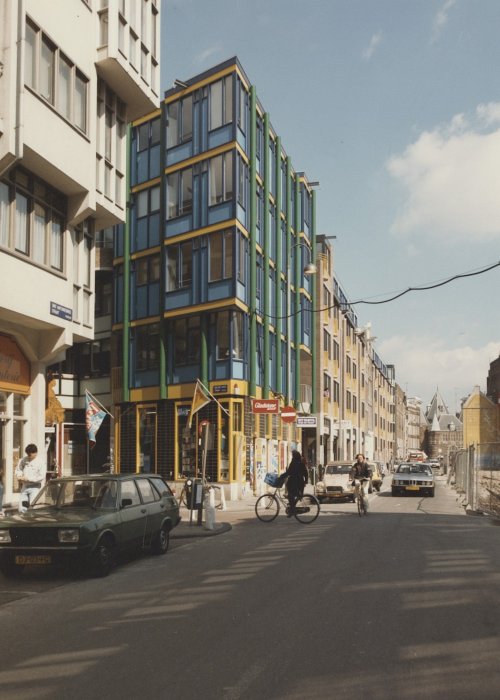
point(194, 493)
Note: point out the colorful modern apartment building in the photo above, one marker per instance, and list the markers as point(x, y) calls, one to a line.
point(212, 284)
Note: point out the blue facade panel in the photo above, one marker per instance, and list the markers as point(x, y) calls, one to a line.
point(220, 137)
point(219, 213)
point(179, 153)
point(177, 226)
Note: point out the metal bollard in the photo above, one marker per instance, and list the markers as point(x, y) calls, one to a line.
point(209, 505)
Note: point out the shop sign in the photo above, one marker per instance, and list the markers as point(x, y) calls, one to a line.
point(14, 367)
point(265, 405)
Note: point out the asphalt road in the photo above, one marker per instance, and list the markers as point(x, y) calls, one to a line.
point(402, 604)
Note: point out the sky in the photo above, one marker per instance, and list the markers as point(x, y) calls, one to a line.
point(394, 107)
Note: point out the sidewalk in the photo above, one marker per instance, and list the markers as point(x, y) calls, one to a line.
point(224, 519)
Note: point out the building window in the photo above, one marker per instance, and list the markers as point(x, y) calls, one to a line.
point(38, 231)
point(146, 286)
point(336, 392)
point(242, 258)
point(180, 193)
point(242, 182)
point(103, 296)
point(55, 78)
point(187, 341)
point(327, 343)
point(147, 344)
point(221, 255)
point(221, 102)
point(146, 222)
point(179, 266)
point(327, 386)
point(221, 178)
point(180, 121)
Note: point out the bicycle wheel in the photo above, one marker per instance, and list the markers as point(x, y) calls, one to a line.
point(267, 507)
point(307, 509)
point(359, 503)
point(365, 504)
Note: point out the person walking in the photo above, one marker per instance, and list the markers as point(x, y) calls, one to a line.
point(297, 478)
point(30, 472)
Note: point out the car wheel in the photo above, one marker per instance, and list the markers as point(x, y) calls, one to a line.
point(102, 559)
point(161, 541)
point(9, 568)
point(394, 492)
point(377, 487)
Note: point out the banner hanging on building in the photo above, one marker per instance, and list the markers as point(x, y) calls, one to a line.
point(95, 413)
point(200, 398)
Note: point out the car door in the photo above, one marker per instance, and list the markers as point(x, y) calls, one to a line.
point(151, 501)
point(133, 515)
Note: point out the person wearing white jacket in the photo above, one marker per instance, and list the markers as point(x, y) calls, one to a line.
point(30, 472)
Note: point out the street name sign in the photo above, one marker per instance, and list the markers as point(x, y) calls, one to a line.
point(307, 422)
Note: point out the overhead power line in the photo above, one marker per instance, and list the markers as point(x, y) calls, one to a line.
point(419, 288)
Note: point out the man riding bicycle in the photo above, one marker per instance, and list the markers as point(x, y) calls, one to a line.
point(361, 475)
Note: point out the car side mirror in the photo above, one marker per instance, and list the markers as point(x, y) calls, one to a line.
point(126, 502)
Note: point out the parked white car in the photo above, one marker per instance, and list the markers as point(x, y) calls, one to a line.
point(335, 484)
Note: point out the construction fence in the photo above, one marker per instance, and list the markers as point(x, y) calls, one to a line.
point(475, 473)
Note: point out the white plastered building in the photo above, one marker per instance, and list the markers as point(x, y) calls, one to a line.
point(73, 73)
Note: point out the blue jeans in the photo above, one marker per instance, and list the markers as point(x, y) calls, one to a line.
point(28, 494)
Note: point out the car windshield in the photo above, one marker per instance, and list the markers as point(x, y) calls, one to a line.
point(413, 469)
point(84, 493)
point(333, 470)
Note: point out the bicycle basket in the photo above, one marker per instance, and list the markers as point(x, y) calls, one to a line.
point(271, 480)
point(274, 480)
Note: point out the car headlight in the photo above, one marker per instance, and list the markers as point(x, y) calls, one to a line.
point(5, 536)
point(320, 485)
point(68, 535)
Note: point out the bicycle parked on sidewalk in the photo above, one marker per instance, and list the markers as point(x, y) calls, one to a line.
point(184, 499)
point(361, 496)
point(267, 507)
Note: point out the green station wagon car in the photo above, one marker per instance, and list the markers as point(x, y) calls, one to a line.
point(86, 521)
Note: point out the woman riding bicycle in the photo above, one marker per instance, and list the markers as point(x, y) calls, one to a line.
point(297, 478)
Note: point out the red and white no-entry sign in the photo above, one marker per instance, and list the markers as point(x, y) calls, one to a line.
point(288, 414)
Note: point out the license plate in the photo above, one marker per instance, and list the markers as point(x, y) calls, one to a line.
point(33, 559)
point(412, 488)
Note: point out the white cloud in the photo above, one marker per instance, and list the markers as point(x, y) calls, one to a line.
point(426, 363)
point(207, 53)
point(489, 113)
point(441, 19)
point(451, 177)
point(372, 46)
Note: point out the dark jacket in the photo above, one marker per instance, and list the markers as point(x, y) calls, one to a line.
point(361, 471)
point(297, 474)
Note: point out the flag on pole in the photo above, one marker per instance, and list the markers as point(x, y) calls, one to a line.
point(94, 416)
point(201, 397)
